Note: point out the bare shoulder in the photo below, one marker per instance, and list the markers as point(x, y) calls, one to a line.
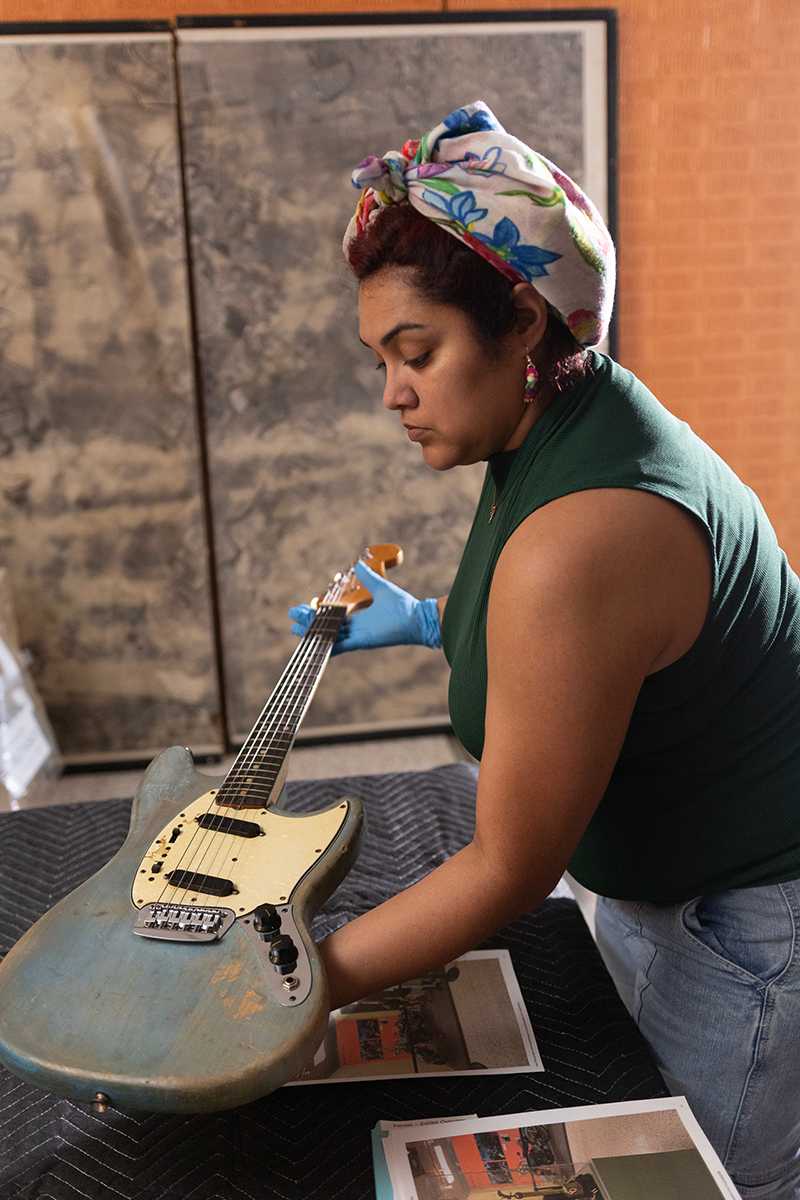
point(591, 594)
point(641, 561)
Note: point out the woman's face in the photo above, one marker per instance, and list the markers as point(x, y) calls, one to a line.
point(457, 403)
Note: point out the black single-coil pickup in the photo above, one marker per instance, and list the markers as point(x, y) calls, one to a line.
point(247, 829)
point(193, 881)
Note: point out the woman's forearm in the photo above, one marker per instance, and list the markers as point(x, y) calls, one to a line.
point(445, 914)
point(440, 604)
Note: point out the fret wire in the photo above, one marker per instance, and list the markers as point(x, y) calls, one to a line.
point(302, 690)
point(276, 758)
point(253, 759)
point(287, 731)
point(254, 763)
point(264, 717)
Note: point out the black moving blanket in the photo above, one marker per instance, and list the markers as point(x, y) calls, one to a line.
point(308, 1142)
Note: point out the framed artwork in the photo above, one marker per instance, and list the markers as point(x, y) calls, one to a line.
point(102, 506)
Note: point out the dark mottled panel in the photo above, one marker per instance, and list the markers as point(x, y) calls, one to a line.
point(101, 517)
point(306, 465)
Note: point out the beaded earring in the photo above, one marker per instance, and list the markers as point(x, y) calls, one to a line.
point(531, 379)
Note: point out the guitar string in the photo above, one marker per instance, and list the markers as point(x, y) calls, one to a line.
point(313, 641)
point(297, 692)
point(258, 749)
point(297, 663)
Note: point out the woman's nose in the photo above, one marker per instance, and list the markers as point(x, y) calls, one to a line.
point(397, 394)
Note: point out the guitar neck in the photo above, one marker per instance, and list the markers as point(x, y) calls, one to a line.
point(251, 780)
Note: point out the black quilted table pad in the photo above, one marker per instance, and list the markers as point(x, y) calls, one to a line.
point(308, 1143)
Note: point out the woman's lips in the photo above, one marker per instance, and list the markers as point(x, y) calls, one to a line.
point(415, 432)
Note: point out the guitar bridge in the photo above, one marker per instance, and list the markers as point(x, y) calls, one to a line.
point(177, 923)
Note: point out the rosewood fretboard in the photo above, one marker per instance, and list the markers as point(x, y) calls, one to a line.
point(251, 780)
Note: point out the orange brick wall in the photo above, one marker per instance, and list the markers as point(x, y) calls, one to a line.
point(709, 225)
point(709, 208)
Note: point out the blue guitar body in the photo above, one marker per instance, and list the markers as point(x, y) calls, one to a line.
point(92, 1011)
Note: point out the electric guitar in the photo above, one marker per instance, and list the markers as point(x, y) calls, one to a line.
point(182, 976)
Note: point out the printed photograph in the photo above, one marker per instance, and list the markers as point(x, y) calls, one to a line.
point(467, 1017)
point(643, 1155)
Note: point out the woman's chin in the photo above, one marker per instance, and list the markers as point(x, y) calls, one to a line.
point(439, 457)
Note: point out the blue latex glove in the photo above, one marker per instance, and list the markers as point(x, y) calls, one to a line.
point(395, 618)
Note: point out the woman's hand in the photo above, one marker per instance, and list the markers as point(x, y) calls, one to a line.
point(395, 618)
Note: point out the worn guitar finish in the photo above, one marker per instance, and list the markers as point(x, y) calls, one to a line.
point(182, 976)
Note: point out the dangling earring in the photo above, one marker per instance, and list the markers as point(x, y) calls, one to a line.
point(531, 379)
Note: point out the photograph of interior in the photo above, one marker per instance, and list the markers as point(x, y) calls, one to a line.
point(399, 460)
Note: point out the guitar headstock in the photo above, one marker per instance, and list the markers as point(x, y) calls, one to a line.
point(345, 590)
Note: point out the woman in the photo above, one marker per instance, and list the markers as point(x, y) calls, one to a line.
point(623, 634)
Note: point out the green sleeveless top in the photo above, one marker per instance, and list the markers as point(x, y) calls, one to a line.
point(705, 794)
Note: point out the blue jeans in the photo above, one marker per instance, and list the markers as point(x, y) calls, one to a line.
point(714, 985)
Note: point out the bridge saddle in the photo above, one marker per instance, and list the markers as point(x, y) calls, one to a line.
point(182, 923)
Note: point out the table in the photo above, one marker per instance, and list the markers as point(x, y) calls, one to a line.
point(309, 1142)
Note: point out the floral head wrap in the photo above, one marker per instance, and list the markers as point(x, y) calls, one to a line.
point(507, 203)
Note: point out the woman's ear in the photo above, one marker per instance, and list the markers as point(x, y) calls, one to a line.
point(531, 313)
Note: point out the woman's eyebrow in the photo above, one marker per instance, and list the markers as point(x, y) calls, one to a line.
point(393, 332)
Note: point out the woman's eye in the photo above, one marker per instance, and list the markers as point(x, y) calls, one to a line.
point(416, 363)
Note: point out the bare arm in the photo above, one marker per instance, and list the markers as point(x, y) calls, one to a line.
point(556, 716)
point(440, 604)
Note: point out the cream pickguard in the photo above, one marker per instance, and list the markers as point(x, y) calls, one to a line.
point(264, 868)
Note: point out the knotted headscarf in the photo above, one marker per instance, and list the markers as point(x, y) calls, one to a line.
point(506, 202)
